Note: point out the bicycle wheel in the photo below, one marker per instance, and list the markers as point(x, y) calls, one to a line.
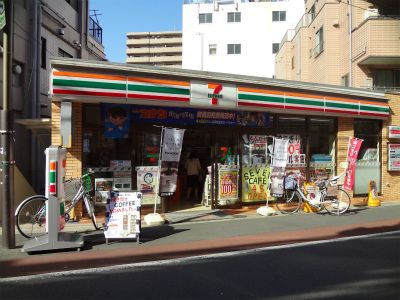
point(289, 203)
point(91, 211)
point(31, 217)
point(338, 204)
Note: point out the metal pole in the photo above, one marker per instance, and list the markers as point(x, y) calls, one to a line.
point(7, 165)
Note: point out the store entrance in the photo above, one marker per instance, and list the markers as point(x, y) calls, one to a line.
point(189, 194)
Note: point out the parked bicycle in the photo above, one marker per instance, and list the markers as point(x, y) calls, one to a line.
point(31, 213)
point(293, 197)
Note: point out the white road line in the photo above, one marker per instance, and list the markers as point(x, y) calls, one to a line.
point(52, 275)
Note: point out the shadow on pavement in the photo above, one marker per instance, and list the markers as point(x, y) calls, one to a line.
point(147, 234)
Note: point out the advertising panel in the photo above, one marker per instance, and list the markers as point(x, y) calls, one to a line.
point(122, 215)
point(394, 157)
point(352, 153)
point(170, 155)
point(255, 182)
point(147, 180)
point(192, 116)
point(394, 132)
point(228, 184)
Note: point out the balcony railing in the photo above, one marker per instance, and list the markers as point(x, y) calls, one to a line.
point(95, 30)
point(305, 21)
point(220, 1)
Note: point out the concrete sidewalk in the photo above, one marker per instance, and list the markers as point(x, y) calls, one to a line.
point(217, 231)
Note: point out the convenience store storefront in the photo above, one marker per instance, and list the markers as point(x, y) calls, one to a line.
point(228, 120)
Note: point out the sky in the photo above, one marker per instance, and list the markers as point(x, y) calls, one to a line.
point(117, 17)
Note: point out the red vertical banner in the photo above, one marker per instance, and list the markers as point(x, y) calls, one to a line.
point(352, 153)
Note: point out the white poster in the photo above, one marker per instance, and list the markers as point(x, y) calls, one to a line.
point(280, 156)
point(123, 215)
point(170, 156)
point(394, 157)
point(147, 181)
point(172, 144)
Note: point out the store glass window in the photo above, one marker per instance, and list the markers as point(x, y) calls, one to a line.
point(369, 131)
point(151, 150)
point(321, 141)
point(291, 125)
point(368, 163)
point(98, 150)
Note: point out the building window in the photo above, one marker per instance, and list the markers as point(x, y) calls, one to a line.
point(293, 62)
point(312, 12)
point(62, 53)
point(234, 17)
point(212, 50)
point(319, 42)
point(205, 18)
point(275, 48)
point(43, 52)
point(279, 16)
point(73, 3)
point(387, 79)
point(234, 49)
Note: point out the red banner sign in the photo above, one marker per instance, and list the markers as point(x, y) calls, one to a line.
point(352, 153)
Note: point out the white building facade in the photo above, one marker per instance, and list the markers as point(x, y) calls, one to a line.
point(236, 36)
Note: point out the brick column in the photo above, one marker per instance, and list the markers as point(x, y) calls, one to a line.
point(74, 154)
point(345, 130)
point(390, 179)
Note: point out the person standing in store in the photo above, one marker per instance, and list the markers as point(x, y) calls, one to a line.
point(193, 168)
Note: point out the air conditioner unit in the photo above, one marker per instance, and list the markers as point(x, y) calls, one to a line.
point(369, 82)
point(372, 12)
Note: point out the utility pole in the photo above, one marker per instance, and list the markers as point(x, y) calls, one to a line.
point(6, 133)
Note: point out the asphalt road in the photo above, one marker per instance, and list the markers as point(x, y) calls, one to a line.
point(350, 268)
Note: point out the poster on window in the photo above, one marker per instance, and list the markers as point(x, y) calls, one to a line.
point(352, 153)
point(277, 181)
point(258, 149)
point(170, 155)
point(147, 180)
point(394, 157)
point(280, 152)
point(117, 120)
point(255, 182)
point(228, 184)
point(122, 215)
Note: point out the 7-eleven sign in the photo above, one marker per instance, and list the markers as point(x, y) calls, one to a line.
point(222, 95)
point(214, 92)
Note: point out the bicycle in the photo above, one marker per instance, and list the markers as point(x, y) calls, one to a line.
point(293, 197)
point(31, 213)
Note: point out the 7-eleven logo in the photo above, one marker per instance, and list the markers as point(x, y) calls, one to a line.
point(214, 92)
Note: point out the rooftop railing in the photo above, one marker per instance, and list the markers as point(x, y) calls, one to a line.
point(95, 30)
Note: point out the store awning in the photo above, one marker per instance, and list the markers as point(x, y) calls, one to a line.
point(41, 128)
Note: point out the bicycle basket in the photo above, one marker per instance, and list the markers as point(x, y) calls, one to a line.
point(87, 183)
point(71, 188)
point(290, 183)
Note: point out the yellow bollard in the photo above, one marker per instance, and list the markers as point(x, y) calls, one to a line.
point(308, 208)
point(72, 215)
point(310, 190)
point(373, 200)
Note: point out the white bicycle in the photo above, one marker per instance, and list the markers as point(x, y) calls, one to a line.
point(293, 197)
point(31, 213)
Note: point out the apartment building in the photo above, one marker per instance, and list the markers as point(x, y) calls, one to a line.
point(351, 43)
point(42, 29)
point(154, 48)
point(236, 36)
